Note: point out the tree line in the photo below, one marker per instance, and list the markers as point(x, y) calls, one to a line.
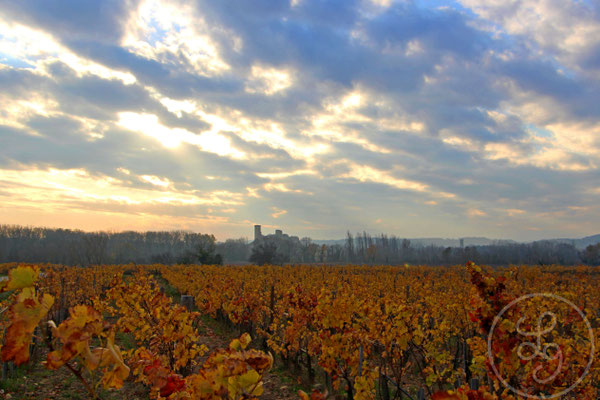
point(363, 248)
point(75, 247)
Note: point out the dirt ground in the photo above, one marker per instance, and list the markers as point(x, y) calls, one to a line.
point(34, 382)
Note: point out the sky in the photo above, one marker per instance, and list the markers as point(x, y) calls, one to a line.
point(425, 118)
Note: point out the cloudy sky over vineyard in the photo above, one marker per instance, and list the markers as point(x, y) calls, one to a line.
point(422, 118)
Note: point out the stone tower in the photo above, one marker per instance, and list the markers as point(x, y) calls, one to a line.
point(257, 233)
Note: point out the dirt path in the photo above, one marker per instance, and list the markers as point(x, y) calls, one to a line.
point(277, 384)
point(34, 381)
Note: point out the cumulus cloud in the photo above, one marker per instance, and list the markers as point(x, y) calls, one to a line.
point(459, 118)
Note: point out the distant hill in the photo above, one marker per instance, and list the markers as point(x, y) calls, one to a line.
point(586, 241)
point(441, 242)
point(581, 243)
point(330, 242)
point(467, 241)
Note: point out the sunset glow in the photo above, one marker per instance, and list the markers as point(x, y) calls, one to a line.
point(443, 118)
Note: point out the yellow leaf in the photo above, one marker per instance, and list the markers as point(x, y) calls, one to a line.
point(25, 314)
point(235, 344)
point(249, 378)
point(245, 340)
point(21, 277)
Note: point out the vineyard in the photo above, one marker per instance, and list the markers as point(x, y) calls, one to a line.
point(345, 332)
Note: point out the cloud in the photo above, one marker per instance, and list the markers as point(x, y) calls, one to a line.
point(66, 19)
point(475, 118)
point(278, 213)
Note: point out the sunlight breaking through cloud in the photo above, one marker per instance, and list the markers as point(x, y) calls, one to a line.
point(148, 124)
point(472, 117)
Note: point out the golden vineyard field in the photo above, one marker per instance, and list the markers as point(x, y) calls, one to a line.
point(357, 332)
